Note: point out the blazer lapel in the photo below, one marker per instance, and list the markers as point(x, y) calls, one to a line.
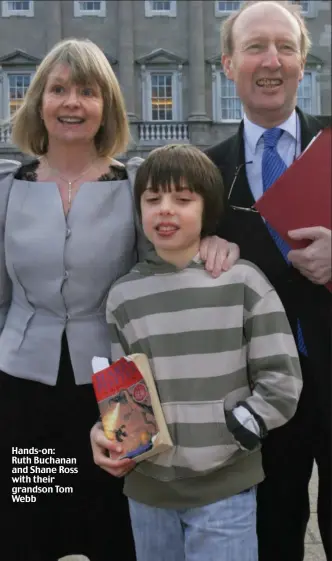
point(309, 128)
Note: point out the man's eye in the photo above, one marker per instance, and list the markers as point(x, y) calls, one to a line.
point(256, 46)
point(287, 47)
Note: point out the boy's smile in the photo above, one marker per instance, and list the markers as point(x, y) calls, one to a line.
point(166, 229)
point(172, 221)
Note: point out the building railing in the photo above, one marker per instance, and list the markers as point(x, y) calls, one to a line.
point(163, 131)
point(5, 134)
point(147, 131)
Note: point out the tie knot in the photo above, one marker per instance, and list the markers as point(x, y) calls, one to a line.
point(271, 137)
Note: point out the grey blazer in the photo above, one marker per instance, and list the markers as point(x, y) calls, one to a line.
point(55, 273)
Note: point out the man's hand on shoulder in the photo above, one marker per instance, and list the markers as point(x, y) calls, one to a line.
point(218, 254)
point(314, 261)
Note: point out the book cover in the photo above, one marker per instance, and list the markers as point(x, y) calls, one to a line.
point(301, 197)
point(129, 406)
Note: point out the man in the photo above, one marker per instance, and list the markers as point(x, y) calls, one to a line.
point(265, 45)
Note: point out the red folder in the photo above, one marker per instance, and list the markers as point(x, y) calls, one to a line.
point(301, 196)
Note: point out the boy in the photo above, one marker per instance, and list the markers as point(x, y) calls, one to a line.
point(225, 365)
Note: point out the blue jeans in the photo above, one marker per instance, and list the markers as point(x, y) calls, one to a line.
point(222, 531)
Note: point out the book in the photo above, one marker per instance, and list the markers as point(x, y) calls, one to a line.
point(301, 196)
point(129, 406)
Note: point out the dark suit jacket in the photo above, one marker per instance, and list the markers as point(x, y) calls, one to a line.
point(301, 298)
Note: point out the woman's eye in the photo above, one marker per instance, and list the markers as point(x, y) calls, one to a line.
point(58, 89)
point(87, 92)
point(152, 200)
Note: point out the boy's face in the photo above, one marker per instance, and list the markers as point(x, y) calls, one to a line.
point(172, 221)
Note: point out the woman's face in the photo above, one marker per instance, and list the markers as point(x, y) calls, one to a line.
point(71, 113)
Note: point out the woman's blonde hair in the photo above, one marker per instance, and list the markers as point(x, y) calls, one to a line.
point(88, 65)
point(227, 44)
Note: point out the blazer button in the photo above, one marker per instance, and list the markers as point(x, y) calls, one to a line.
point(68, 232)
point(67, 317)
point(66, 275)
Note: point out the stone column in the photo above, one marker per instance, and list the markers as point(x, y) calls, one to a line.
point(126, 55)
point(196, 61)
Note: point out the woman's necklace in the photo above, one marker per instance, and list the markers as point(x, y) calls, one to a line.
point(66, 180)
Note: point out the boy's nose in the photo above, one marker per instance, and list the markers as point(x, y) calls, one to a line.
point(166, 206)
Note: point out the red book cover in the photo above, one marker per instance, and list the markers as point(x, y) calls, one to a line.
point(301, 196)
point(129, 407)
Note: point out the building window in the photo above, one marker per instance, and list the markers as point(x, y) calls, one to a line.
point(161, 91)
point(308, 7)
point(230, 104)
point(89, 9)
point(161, 97)
point(17, 9)
point(227, 106)
point(225, 7)
point(160, 8)
point(16, 86)
point(304, 6)
point(308, 97)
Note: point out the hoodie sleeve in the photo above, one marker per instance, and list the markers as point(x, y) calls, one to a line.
point(274, 371)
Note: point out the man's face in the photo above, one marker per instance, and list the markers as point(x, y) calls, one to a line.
point(266, 64)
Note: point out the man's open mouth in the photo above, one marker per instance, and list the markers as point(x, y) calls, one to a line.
point(269, 82)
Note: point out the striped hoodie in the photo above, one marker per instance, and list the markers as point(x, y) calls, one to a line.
point(211, 344)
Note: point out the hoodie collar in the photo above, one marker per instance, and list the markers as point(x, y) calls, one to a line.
point(156, 265)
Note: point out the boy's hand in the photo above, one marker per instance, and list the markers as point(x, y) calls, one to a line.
point(105, 453)
point(218, 255)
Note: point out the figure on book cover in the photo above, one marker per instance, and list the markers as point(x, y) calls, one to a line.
point(222, 385)
point(139, 425)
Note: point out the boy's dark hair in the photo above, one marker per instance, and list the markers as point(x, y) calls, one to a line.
point(179, 163)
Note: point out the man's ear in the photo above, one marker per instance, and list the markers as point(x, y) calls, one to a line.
point(226, 61)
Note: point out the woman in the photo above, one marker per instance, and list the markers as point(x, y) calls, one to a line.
point(67, 232)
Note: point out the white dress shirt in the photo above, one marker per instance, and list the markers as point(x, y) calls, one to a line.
point(288, 147)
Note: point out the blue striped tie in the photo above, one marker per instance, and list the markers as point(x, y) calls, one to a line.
point(272, 167)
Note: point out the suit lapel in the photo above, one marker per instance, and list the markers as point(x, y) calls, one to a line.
point(309, 128)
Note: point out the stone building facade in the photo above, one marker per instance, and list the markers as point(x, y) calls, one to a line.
point(166, 55)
